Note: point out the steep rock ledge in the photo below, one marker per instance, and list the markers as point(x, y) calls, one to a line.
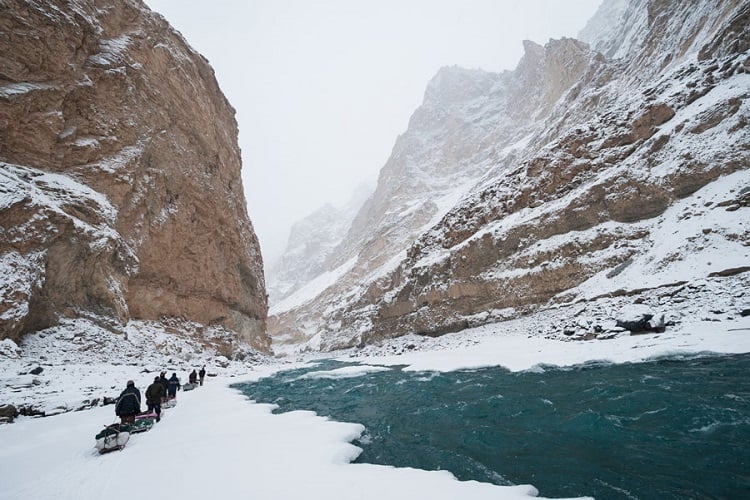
point(121, 193)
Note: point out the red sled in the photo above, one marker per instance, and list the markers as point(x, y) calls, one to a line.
point(144, 422)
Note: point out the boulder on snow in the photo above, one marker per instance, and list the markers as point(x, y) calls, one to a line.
point(9, 349)
point(635, 324)
point(37, 370)
point(31, 411)
point(87, 404)
point(640, 319)
point(7, 413)
point(221, 361)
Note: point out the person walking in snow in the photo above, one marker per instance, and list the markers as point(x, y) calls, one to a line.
point(154, 395)
point(174, 384)
point(165, 383)
point(202, 373)
point(193, 377)
point(128, 404)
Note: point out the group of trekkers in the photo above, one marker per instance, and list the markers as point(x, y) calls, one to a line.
point(161, 391)
point(193, 377)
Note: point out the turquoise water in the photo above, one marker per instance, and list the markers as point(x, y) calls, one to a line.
point(667, 429)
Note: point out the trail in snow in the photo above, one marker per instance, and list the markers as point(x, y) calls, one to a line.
point(217, 443)
point(214, 444)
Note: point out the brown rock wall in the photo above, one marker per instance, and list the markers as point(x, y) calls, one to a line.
point(110, 95)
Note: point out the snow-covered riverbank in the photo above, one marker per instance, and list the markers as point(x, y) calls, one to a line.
point(79, 363)
point(484, 346)
point(215, 442)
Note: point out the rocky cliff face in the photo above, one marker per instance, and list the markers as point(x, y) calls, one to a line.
point(121, 194)
point(581, 164)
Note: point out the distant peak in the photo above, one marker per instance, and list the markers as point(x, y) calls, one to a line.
point(456, 84)
point(531, 47)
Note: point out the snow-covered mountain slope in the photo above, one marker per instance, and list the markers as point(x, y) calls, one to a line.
point(312, 241)
point(563, 180)
point(120, 190)
point(468, 119)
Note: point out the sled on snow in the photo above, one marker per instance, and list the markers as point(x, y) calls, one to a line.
point(171, 403)
point(143, 422)
point(112, 437)
point(189, 387)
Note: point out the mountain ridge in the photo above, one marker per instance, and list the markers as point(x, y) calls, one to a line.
point(612, 143)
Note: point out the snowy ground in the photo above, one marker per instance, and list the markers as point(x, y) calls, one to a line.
point(80, 362)
point(483, 347)
point(214, 444)
point(239, 449)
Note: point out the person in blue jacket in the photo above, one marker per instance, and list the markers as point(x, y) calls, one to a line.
point(128, 404)
point(174, 384)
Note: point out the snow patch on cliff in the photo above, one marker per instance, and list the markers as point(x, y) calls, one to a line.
point(695, 237)
point(19, 275)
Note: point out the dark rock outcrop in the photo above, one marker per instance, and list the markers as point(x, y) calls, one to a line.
point(8, 413)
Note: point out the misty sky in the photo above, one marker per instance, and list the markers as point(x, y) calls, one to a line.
point(322, 88)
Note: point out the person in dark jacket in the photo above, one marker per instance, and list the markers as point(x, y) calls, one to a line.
point(193, 377)
point(202, 373)
point(128, 404)
point(174, 384)
point(165, 383)
point(154, 394)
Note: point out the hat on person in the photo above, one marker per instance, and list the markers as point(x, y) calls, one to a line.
point(130, 382)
